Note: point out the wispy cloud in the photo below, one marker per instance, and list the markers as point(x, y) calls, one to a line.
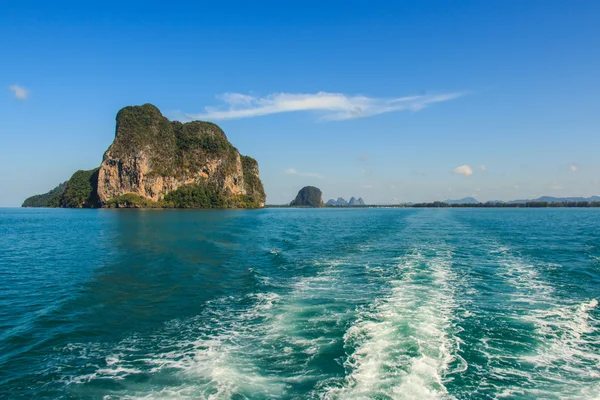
point(331, 106)
point(292, 171)
point(19, 92)
point(573, 167)
point(482, 168)
point(463, 170)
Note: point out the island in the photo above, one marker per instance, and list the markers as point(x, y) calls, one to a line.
point(308, 196)
point(157, 163)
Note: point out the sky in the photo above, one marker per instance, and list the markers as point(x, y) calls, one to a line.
point(388, 101)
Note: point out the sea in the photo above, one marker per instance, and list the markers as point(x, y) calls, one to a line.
point(300, 304)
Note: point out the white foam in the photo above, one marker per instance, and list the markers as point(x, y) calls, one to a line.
point(563, 361)
point(403, 344)
point(222, 352)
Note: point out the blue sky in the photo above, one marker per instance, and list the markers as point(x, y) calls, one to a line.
point(393, 102)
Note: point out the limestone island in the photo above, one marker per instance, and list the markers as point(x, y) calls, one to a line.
point(157, 163)
point(308, 196)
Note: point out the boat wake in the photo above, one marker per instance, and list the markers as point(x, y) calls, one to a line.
point(549, 347)
point(406, 344)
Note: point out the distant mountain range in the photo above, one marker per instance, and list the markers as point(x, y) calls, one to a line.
point(342, 202)
point(464, 200)
point(550, 199)
point(547, 199)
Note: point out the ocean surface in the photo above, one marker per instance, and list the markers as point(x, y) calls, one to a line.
point(300, 303)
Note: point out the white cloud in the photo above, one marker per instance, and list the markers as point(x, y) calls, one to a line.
point(573, 167)
point(463, 170)
point(19, 91)
point(292, 171)
point(332, 106)
point(367, 186)
point(482, 168)
point(556, 187)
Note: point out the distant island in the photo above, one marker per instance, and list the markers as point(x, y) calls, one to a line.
point(546, 199)
point(311, 196)
point(341, 202)
point(157, 163)
point(308, 196)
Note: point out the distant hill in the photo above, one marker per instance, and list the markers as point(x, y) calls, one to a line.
point(308, 196)
point(339, 202)
point(354, 202)
point(550, 199)
point(464, 200)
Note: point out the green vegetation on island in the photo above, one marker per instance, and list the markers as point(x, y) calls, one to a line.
point(49, 199)
point(77, 192)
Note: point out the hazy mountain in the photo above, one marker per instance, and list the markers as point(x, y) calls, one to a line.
point(550, 199)
point(464, 200)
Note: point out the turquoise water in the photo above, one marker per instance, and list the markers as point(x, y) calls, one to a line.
point(284, 303)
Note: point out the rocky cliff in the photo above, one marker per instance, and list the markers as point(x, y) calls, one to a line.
point(160, 163)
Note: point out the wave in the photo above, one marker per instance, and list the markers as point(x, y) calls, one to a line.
point(551, 348)
point(404, 344)
point(257, 345)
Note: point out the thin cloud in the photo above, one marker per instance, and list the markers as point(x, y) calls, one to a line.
point(573, 167)
point(331, 106)
point(463, 170)
point(292, 171)
point(19, 92)
point(482, 168)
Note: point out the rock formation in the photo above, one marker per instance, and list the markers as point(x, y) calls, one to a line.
point(339, 202)
point(308, 196)
point(152, 158)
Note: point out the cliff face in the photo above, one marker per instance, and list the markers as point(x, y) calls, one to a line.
point(152, 156)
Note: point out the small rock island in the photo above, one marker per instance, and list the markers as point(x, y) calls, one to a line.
point(308, 196)
point(154, 162)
